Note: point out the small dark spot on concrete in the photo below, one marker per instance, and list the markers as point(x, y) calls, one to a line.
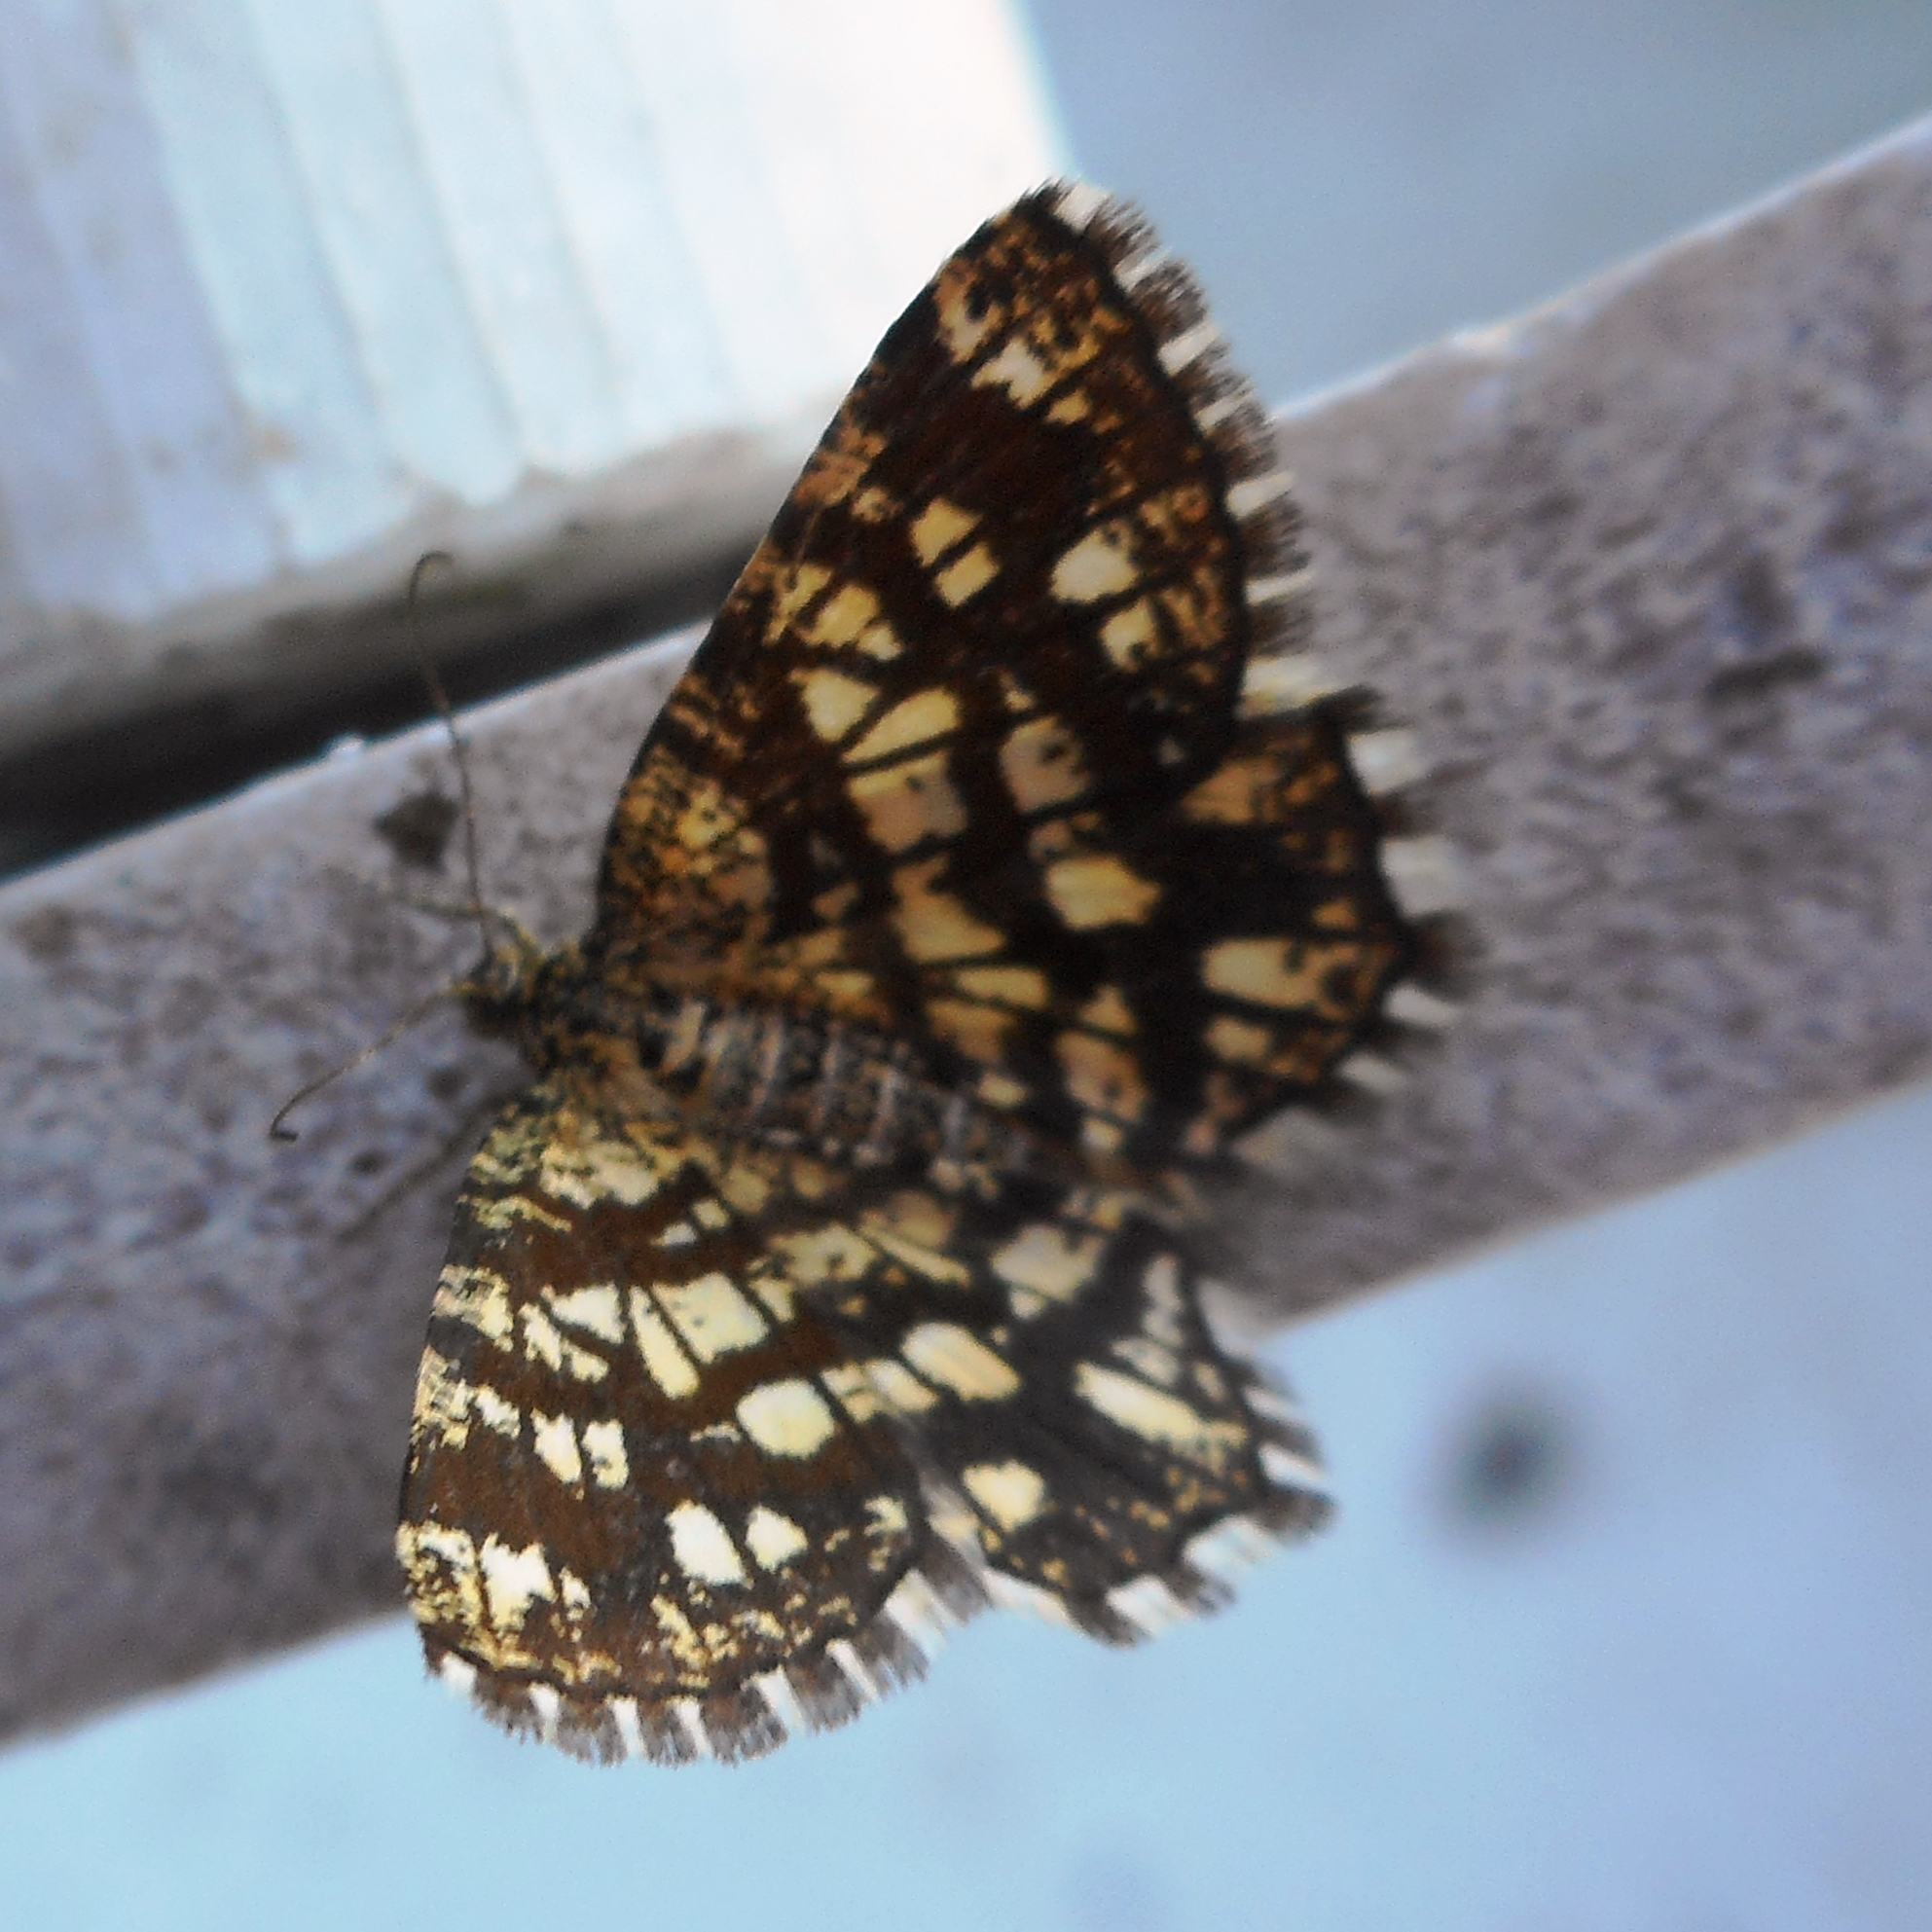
point(173, 1215)
point(371, 1160)
point(219, 1481)
point(1738, 682)
point(417, 829)
point(1760, 609)
point(445, 1083)
point(1511, 1460)
point(47, 935)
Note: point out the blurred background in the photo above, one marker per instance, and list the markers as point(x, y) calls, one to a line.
point(1626, 1620)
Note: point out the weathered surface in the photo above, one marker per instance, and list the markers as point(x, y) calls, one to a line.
point(1649, 572)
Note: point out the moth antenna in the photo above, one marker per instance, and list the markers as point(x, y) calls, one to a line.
point(278, 1130)
point(440, 698)
point(414, 1017)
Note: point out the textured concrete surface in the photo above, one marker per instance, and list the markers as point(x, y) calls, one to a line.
point(1648, 571)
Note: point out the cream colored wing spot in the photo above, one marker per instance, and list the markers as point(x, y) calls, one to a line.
point(1100, 565)
point(603, 1449)
point(1148, 1358)
point(965, 326)
point(833, 702)
point(845, 615)
point(442, 1401)
point(955, 1359)
point(966, 575)
point(1010, 986)
point(789, 1418)
point(908, 803)
point(941, 526)
point(924, 716)
point(1238, 1042)
point(556, 1444)
point(1166, 1305)
point(1292, 974)
point(544, 1342)
point(703, 1547)
point(979, 1031)
point(935, 926)
point(852, 1389)
point(1097, 889)
point(1018, 368)
point(774, 1540)
point(1044, 765)
point(832, 1252)
point(886, 1517)
point(1131, 637)
point(1010, 1493)
point(667, 1364)
point(794, 589)
point(585, 1169)
point(687, 1035)
point(897, 1387)
point(479, 1299)
point(1104, 1078)
point(917, 1228)
point(1002, 1090)
point(1107, 1012)
point(1045, 1265)
point(444, 1581)
point(849, 619)
point(596, 1309)
point(490, 1409)
point(711, 1315)
point(1157, 1417)
point(514, 1581)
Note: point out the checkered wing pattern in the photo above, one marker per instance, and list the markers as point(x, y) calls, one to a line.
point(996, 862)
point(985, 753)
point(713, 1442)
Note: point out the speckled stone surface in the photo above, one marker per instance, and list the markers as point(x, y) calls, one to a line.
point(1648, 571)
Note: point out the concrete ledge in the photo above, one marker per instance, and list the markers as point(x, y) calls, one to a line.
point(1651, 571)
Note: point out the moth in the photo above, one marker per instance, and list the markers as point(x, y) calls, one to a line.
point(994, 873)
